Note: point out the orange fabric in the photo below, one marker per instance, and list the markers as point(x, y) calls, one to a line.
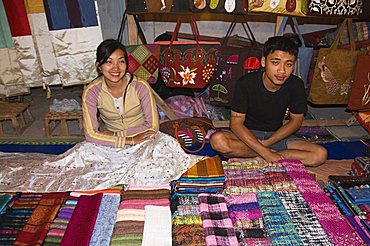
point(210, 167)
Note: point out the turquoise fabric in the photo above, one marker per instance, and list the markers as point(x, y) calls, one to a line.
point(5, 35)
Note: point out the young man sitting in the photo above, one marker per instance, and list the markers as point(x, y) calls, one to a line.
point(258, 109)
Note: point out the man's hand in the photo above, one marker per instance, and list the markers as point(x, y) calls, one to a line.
point(272, 156)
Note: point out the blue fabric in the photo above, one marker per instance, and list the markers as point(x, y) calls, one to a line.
point(345, 150)
point(38, 148)
point(336, 150)
point(65, 14)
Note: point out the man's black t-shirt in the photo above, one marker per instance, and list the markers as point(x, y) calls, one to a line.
point(265, 110)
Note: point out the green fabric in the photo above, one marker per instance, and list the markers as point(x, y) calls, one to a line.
point(5, 35)
point(127, 240)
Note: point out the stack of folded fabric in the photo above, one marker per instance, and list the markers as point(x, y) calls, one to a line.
point(246, 216)
point(93, 218)
point(15, 214)
point(59, 224)
point(255, 176)
point(206, 176)
point(143, 208)
point(186, 223)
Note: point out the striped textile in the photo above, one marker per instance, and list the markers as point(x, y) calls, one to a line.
point(209, 167)
point(217, 224)
point(37, 226)
point(278, 223)
point(304, 220)
point(334, 223)
point(14, 219)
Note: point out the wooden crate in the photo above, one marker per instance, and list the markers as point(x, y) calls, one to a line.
point(53, 120)
point(18, 114)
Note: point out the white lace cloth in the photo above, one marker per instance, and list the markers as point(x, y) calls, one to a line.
point(88, 166)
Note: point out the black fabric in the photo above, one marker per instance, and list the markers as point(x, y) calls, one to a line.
point(265, 110)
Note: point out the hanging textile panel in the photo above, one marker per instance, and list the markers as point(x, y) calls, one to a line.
point(75, 53)
point(5, 35)
point(11, 81)
point(46, 64)
point(64, 14)
point(17, 17)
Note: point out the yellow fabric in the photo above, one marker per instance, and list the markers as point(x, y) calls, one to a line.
point(34, 6)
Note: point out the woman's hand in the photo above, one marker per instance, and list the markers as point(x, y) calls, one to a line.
point(107, 132)
point(143, 136)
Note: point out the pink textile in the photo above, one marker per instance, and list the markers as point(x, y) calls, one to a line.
point(81, 225)
point(147, 187)
point(140, 204)
point(245, 215)
point(240, 199)
point(334, 223)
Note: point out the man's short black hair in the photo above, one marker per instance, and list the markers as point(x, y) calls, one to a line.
point(282, 43)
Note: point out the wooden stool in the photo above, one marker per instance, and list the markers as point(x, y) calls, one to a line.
point(18, 114)
point(52, 118)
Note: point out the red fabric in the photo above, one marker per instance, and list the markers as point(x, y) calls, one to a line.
point(81, 225)
point(37, 226)
point(17, 17)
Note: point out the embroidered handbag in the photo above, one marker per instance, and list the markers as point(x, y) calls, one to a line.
point(143, 59)
point(189, 131)
point(305, 54)
point(233, 63)
point(359, 98)
point(285, 7)
point(332, 76)
point(188, 64)
point(336, 8)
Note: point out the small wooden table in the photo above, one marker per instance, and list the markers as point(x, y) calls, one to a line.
point(18, 114)
point(52, 119)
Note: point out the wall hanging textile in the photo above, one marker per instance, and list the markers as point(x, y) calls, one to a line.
point(332, 76)
point(188, 64)
point(339, 8)
point(17, 17)
point(285, 7)
point(359, 98)
point(189, 131)
point(143, 59)
point(304, 57)
point(5, 35)
point(65, 14)
point(233, 63)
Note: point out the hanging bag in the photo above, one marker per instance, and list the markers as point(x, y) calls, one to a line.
point(233, 63)
point(335, 8)
point(332, 77)
point(188, 132)
point(187, 64)
point(359, 98)
point(304, 57)
point(285, 7)
point(143, 59)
